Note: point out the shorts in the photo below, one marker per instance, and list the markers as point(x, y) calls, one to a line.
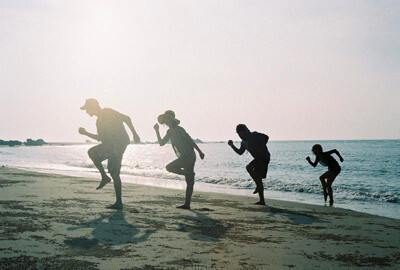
point(113, 154)
point(259, 166)
point(182, 163)
point(335, 170)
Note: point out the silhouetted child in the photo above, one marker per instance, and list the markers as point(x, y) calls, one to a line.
point(326, 159)
point(256, 144)
point(183, 146)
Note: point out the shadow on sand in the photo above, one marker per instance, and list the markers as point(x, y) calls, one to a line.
point(203, 228)
point(295, 217)
point(112, 229)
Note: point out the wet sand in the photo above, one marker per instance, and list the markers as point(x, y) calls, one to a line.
point(60, 222)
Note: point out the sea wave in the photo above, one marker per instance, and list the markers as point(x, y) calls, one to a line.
point(81, 164)
point(341, 192)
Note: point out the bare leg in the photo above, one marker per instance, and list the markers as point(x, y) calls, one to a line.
point(329, 186)
point(189, 191)
point(323, 179)
point(258, 180)
point(182, 167)
point(97, 159)
point(118, 191)
point(250, 170)
point(176, 167)
point(260, 188)
point(324, 188)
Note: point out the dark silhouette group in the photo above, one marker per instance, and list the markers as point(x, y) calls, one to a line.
point(114, 141)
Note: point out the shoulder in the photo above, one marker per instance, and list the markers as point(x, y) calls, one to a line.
point(181, 129)
point(112, 113)
point(258, 134)
point(108, 110)
point(325, 155)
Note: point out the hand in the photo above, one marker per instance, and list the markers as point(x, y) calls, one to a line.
point(82, 131)
point(341, 159)
point(157, 127)
point(308, 158)
point(136, 138)
point(230, 142)
point(201, 154)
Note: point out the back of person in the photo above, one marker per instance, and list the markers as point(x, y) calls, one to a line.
point(327, 160)
point(111, 128)
point(180, 143)
point(256, 145)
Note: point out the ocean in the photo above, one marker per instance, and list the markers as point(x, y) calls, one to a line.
point(369, 181)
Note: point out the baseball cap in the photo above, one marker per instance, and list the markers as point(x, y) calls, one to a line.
point(89, 103)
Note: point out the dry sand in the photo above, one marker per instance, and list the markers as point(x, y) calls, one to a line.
point(59, 222)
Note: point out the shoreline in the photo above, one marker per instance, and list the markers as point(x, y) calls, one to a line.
point(314, 199)
point(59, 221)
point(249, 196)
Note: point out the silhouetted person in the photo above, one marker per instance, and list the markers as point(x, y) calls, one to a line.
point(114, 140)
point(326, 159)
point(183, 146)
point(256, 144)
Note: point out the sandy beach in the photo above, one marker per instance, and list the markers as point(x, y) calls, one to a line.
point(60, 222)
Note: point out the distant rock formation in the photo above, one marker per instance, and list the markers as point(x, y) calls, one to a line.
point(30, 142)
point(10, 143)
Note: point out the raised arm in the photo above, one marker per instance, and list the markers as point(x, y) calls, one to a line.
point(88, 134)
point(315, 163)
point(127, 120)
point(264, 137)
point(240, 150)
point(334, 151)
point(161, 141)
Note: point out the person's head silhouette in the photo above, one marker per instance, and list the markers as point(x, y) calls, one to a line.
point(317, 149)
point(92, 107)
point(242, 131)
point(168, 118)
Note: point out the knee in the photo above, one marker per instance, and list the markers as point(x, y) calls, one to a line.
point(91, 153)
point(115, 176)
point(169, 168)
point(190, 182)
point(249, 168)
point(321, 178)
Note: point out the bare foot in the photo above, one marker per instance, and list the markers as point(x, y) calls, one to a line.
point(117, 206)
point(331, 203)
point(260, 203)
point(104, 182)
point(184, 207)
point(255, 191)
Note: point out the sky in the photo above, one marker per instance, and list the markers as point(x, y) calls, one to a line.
point(295, 70)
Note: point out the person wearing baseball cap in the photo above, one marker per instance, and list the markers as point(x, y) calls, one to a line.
point(114, 140)
point(183, 146)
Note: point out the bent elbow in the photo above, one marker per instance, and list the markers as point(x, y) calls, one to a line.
point(127, 120)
